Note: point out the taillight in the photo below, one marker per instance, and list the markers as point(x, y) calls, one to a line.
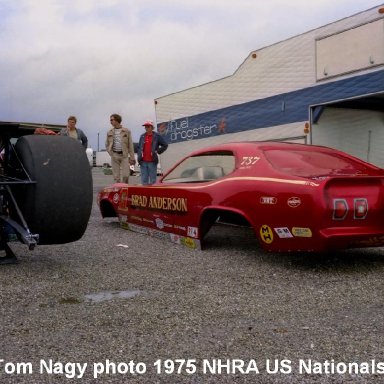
point(361, 208)
point(340, 209)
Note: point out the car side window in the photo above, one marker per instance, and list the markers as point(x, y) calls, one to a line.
point(202, 168)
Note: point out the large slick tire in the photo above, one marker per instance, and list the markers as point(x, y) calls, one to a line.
point(59, 205)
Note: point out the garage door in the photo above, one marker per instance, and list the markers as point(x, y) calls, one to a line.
point(358, 132)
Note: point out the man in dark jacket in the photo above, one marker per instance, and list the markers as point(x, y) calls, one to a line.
point(151, 144)
point(74, 132)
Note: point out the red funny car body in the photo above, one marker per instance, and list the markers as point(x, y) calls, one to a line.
point(296, 197)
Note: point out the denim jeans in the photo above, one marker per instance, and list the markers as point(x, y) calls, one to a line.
point(148, 171)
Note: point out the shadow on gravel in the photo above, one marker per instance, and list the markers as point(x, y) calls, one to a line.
point(226, 237)
point(348, 261)
point(110, 223)
point(244, 240)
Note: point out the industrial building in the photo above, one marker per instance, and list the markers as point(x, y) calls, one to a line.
point(325, 86)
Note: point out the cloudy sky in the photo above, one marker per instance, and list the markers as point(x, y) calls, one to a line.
point(91, 58)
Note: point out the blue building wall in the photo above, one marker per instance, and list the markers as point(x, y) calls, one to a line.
point(276, 110)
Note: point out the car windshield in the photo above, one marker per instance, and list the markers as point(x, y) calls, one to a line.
point(316, 164)
point(205, 167)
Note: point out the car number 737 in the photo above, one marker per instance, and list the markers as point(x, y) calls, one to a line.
point(249, 160)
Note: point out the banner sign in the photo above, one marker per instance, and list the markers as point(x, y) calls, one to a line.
point(272, 111)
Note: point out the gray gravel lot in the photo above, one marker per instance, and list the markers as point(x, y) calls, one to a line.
point(121, 300)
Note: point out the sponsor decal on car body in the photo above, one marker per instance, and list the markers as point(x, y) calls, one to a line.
point(283, 232)
point(268, 200)
point(177, 204)
point(116, 198)
point(301, 232)
point(192, 232)
point(266, 234)
point(294, 202)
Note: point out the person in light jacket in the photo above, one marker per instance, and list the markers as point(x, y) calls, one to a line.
point(119, 145)
point(151, 144)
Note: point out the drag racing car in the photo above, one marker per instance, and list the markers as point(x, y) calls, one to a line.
point(296, 197)
point(45, 188)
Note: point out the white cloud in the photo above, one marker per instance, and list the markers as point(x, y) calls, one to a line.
point(93, 58)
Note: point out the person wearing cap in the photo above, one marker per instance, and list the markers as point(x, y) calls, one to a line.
point(151, 144)
point(119, 145)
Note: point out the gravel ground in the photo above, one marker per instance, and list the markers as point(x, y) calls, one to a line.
point(120, 302)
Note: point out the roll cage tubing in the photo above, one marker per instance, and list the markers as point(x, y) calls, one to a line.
point(8, 153)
